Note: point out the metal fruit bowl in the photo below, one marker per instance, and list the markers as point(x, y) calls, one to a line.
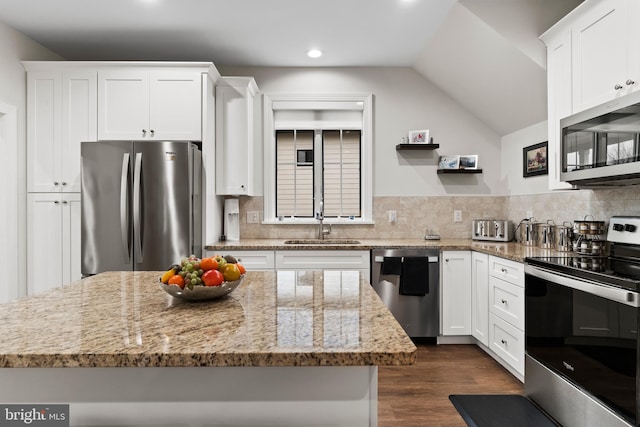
point(199, 293)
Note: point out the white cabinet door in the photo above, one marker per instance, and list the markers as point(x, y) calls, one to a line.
point(324, 260)
point(123, 105)
point(175, 106)
point(605, 54)
point(250, 260)
point(559, 96)
point(149, 105)
point(234, 136)
point(456, 293)
point(79, 123)
point(71, 238)
point(44, 242)
point(44, 131)
point(480, 297)
point(53, 240)
point(61, 113)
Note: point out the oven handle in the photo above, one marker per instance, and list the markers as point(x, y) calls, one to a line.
point(611, 293)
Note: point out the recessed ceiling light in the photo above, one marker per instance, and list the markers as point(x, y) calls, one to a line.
point(314, 53)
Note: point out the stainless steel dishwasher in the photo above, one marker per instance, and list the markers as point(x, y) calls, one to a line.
point(408, 282)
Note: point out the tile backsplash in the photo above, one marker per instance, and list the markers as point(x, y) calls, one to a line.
point(416, 215)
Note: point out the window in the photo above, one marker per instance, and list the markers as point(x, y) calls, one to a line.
point(318, 155)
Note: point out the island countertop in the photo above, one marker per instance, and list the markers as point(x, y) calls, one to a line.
point(124, 319)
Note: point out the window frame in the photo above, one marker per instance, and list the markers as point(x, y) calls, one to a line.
point(363, 102)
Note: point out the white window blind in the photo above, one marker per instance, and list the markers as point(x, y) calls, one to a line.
point(341, 173)
point(294, 190)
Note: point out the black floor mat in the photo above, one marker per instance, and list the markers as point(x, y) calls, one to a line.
point(500, 410)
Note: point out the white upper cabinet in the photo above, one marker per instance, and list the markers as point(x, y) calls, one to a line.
point(149, 105)
point(235, 136)
point(61, 113)
point(606, 53)
point(593, 56)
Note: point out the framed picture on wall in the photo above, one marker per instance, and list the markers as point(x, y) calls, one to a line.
point(449, 162)
point(534, 160)
point(469, 161)
point(419, 136)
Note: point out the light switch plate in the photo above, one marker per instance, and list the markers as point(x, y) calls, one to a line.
point(457, 216)
point(393, 216)
point(252, 217)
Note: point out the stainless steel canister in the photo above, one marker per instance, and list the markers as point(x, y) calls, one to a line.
point(563, 237)
point(544, 237)
point(528, 232)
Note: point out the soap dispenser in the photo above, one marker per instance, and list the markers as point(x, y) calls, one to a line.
point(232, 219)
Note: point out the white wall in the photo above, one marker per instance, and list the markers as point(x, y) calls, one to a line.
point(403, 101)
point(15, 47)
point(512, 160)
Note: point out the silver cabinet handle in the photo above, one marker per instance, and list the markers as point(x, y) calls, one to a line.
point(152, 132)
point(64, 183)
point(504, 301)
point(503, 341)
point(64, 202)
point(56, 183)
point(144, 132)
point(57, 202)
point(446, 259)
point(617, 87)
point(630, 82)
point(504, 270)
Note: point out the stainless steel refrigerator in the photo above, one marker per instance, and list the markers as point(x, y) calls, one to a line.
point(141, 204)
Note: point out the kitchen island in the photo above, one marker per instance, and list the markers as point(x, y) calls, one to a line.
point(285, 348)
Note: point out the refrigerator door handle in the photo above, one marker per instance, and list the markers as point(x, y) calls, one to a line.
point(124, 208)
point(137, 207)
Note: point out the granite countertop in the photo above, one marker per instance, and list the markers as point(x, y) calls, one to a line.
point(124, 319)
point(509, 250)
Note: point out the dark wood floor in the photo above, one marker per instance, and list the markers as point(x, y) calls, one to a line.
point(418, 395)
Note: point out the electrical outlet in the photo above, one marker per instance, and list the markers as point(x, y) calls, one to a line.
point(457, 216)
point(252, 217)
point(393, 216)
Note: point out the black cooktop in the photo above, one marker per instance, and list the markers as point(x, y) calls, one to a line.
point(607, 270)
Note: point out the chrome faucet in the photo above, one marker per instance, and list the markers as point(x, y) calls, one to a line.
point(320, 217)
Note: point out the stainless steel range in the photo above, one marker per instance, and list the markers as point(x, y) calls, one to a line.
point(581, 328)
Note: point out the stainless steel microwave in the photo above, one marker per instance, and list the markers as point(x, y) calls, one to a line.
point(600, 146)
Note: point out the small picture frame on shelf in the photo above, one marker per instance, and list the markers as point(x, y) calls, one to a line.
point(449, 162)
point(534, 160)
point(469, 161)
point(419, 136)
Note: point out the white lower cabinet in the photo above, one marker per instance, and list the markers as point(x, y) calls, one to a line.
point(480, 297)
point(53, 240)
point(324, 260)
point(507, 342)
point(506, 313)
point(250, 260)
point(456, 293)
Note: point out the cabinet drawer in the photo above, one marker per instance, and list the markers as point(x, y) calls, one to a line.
point(508, 270)
point(319, 260)
point(251, 260)
point(506, 301)
point(507, 342)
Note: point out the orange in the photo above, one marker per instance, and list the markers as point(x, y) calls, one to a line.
point(176, 280)
point(241, 268)
point(208, 264)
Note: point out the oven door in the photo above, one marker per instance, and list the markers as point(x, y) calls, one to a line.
point(587, 333)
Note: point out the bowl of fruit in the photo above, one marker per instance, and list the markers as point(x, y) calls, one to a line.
point(201, 279)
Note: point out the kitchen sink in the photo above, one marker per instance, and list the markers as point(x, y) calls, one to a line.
point(321, 242)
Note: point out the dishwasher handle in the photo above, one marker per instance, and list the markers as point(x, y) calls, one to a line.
point(380, 258)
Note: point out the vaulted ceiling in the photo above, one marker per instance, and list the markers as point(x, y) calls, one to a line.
point(485, 54)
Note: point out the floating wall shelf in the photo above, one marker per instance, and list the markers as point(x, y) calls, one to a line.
point(459, 171)
point(417, 146)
